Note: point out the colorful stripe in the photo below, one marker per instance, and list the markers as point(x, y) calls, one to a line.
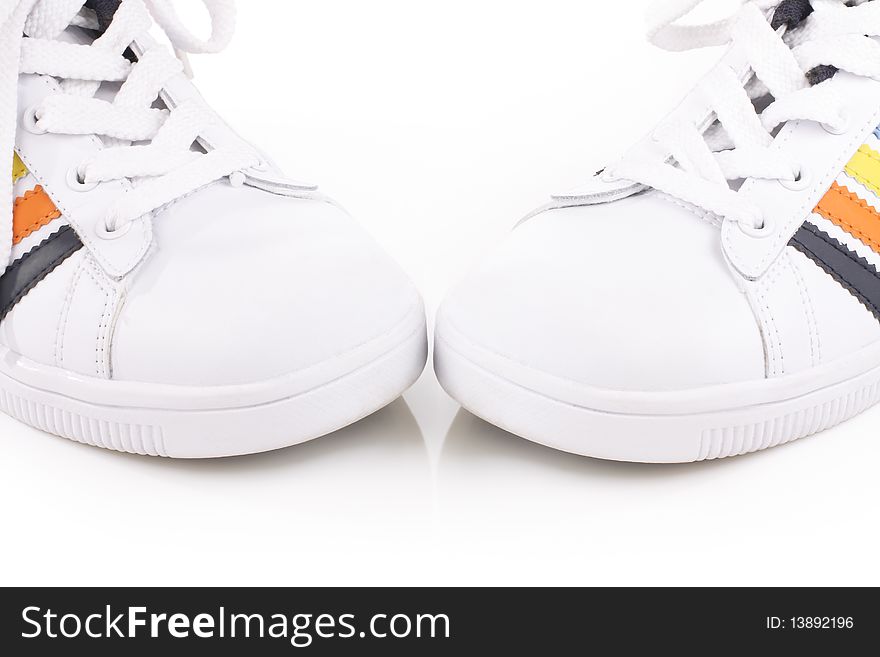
point(865, 167)
point(35, 258)
point(31, 212)
point(852, 214)
point(19, 170)
point(27, 272)
point(846, 267)
point(842, 236)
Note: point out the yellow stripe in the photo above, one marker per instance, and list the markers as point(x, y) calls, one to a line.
point(865, 167)
point(19, 170)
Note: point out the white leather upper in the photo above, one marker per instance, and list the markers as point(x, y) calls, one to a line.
point(633, 295)
point(36, 326)
point(784, 308)
point(637, 295)
point(228, 285)
point(245, 286)
point(622, 289)
point(843, 324)
point(50, 158)
point(240, 286)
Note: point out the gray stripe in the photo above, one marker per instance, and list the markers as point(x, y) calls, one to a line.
point(24, 274)
point(849, 269)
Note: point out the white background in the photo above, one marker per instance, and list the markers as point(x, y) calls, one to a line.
point(439, 124)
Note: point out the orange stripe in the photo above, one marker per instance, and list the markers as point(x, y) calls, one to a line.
point(32, 211)
point(852, 214)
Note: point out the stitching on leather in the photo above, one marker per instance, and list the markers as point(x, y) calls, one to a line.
point(774, 341)
point(99, 354)
point(101, 342)
point(113, 319)
point(769, 330)
point(842, 222)
point(805, 209)
point(829, 178)
point(781, 141)
point(101, 347)
point(40, 276)
point(27, 196)
point(837, 277)
point(770, 334)
point(828, 230)
point(64, 319)
point(869, 153)
point(162, 210)
point(82, 234)
point(846, 284)
point(702, 215)
point(807, 300)
point(855, 257)
point(37, 223)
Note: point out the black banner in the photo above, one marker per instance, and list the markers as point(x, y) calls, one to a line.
point(433, 621)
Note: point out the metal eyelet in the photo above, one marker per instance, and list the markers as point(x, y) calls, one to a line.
point(30, 122)
point(802, 181)
point(76, 183)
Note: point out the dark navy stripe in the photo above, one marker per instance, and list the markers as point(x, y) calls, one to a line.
point(848, 268)
point(105, 10)
point(24, 274)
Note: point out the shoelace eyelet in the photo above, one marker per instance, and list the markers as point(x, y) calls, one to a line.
point(30, 122)
point(803, 181)
point(766, 229)
point(105, 233)
point(76, 183)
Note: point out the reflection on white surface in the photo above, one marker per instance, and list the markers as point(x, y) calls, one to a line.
point(393, 501)
point(83, 515)
point(533, 515)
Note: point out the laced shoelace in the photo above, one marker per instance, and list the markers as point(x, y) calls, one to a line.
point(150, 146)
point(791, 47)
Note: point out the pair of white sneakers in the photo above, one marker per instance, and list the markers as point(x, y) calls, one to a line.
point(167, 291)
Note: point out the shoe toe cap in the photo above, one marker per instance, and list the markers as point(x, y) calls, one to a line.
point(632, 296)
point(260, 288)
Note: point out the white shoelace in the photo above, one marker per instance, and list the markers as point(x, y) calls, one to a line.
point(735, 144)
point(150, 147)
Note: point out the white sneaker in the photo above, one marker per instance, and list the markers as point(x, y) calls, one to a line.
point(715, 292)
point(168, 291)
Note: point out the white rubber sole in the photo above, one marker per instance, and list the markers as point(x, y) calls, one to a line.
point(189, 422)
point(674, 427)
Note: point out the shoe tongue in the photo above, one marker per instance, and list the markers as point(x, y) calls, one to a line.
point(105, 10)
